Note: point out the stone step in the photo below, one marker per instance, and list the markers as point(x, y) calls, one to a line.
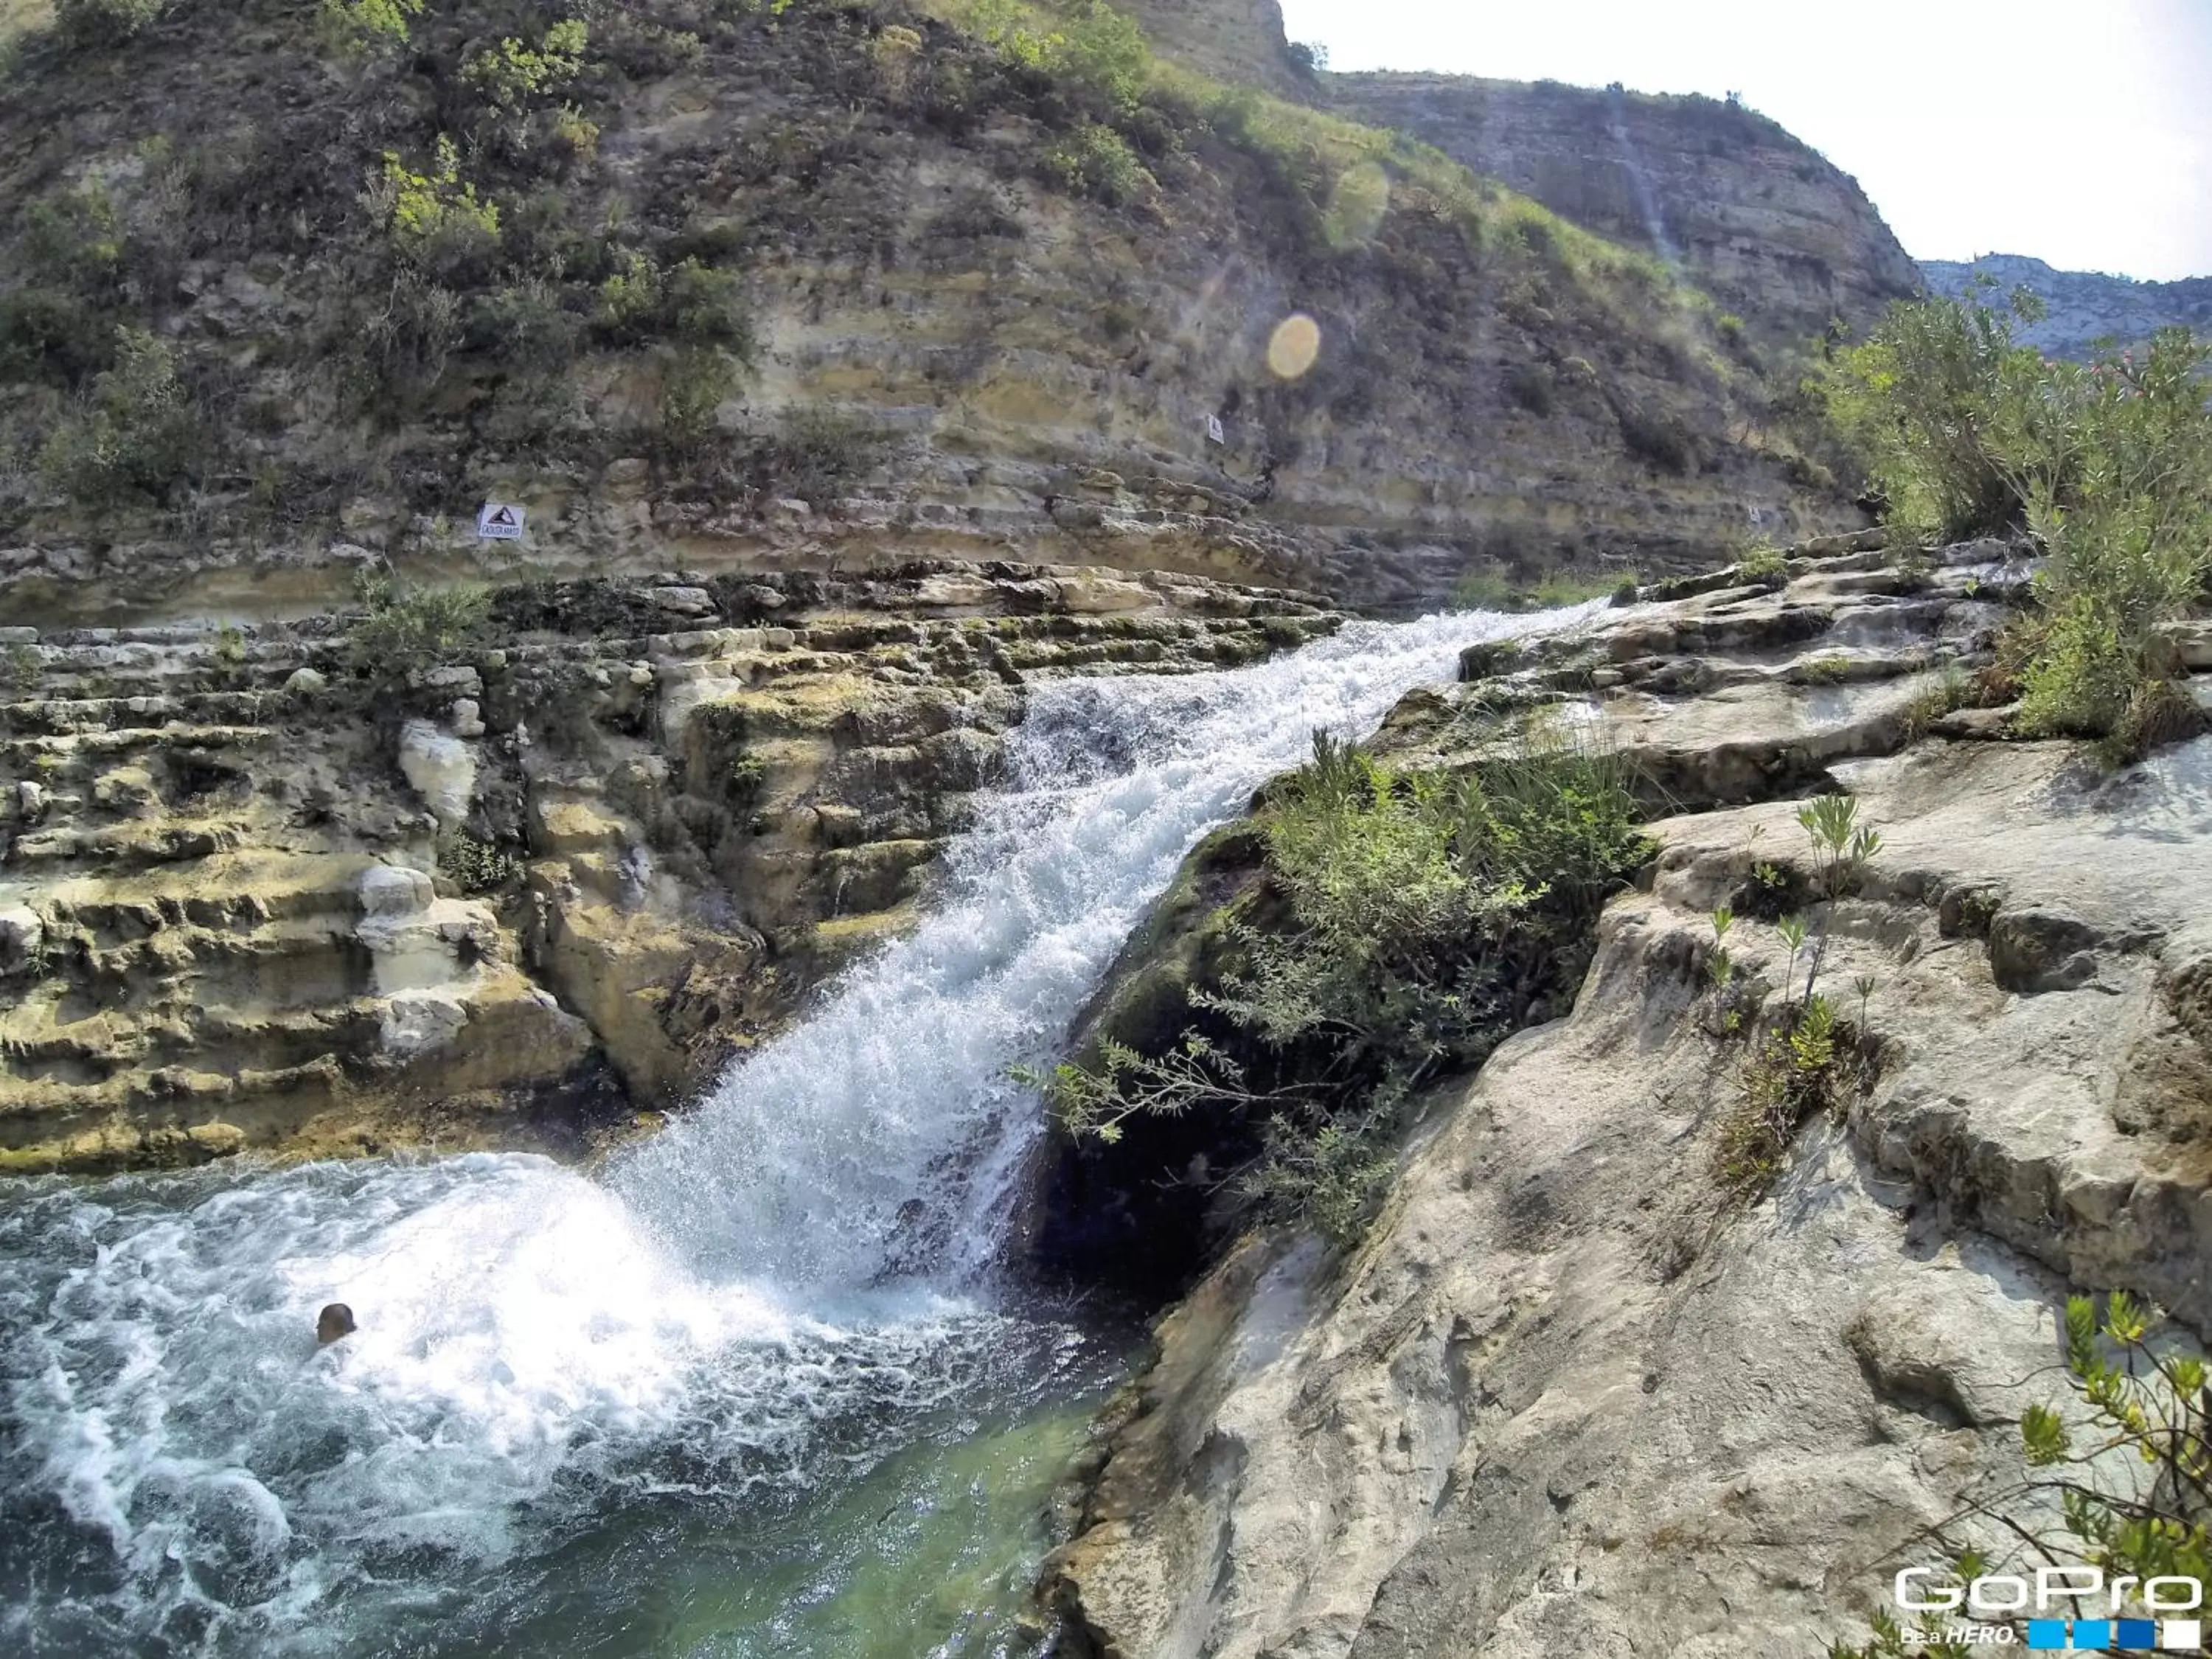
point(62, 716)
point(129, 845)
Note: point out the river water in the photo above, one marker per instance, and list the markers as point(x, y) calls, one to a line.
point(757, 1389)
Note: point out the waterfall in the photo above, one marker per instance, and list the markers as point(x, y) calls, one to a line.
point(787, 1286)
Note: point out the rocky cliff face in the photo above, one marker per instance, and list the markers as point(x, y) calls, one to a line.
point(1565, 1398)
point(252, 898)
point(1760, 220)
point(1235, 41)
point(955, 342)
point(2083, 307)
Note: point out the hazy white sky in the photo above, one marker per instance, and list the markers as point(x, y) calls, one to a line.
point(2079, 131)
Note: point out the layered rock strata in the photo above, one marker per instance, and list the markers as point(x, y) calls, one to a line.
point(255, 892)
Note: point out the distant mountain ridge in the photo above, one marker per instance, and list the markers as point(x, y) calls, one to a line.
point(2085, 306)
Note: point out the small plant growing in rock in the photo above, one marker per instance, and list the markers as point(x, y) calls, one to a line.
point(894, 52)
point(1953, 690)
point(743, 780)
point(1793, 931)
point(1720, 967)
point(1762, 561)
point(1842, 846)
point(1824, 671)
point(477, 866)
point(19, 668)
point(1809, 1060)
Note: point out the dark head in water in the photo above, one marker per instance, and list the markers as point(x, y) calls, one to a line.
point(334, 1321)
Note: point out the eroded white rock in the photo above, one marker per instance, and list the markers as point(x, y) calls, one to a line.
point(419, 1022)
point(393, 889)
point(441, 769)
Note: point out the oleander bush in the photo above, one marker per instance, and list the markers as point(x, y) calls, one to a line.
point(1410, 920)
point(2105, 465)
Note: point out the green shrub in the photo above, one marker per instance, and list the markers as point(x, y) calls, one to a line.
point(19, 667)
point(1531, 386)
point(1096, 161)
point(365, 26)
point(514, 76)
point(694, 383)
point(1486, 587)
point(1423, 917)
point(433, 218)
point(525, 328)
point(1937, 405)
point(133, 435)
point(1658, 439)
point(703, 307)
point(816, 452)
point(405, 343)
point(1493, 587)
point(576, 134)
point(58, 314)
point(104, 22)
point(1092, 46)
point(403, 628)
point(2125, 515)
point(894, 52)
point(1105, 52)
point(691, 305)
point(477, 866)
point(1762, 561)
point(2108, 464)
point(1557, 589)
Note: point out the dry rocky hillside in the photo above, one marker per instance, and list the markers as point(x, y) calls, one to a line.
point(1567, 1397)
point(2082, 307)
point(753, 287)
point(1760, 220)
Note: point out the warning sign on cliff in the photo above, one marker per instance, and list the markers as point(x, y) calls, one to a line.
point(499, 521)
point(1213, 432)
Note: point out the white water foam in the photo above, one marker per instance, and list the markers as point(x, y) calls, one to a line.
point(776, 1278)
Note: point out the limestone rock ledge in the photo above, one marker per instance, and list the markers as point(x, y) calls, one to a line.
point(255, 893)
point(1562, 1402)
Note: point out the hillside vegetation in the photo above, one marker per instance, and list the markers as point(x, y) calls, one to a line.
point(2106, 466)
point(278, 273)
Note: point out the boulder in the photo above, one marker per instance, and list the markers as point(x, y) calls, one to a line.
point(441, 769)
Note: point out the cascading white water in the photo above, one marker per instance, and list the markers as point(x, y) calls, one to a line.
point(785, 1287)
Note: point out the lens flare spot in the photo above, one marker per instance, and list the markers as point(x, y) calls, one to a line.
point(1294, 347)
